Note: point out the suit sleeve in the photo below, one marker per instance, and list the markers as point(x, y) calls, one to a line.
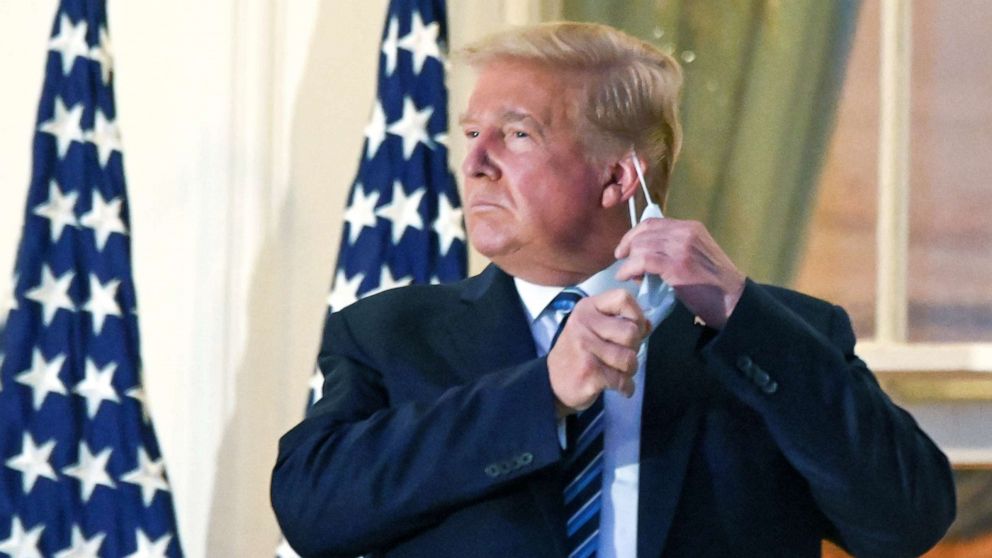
point(360, 473)
point(881, 481)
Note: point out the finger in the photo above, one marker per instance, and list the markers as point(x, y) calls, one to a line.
point(620, 331)
point(627, 387)
point(620, 383)
point(633, 268)
point(656, 225)
point(623, 249)
point(610, 355)
point(619, 302)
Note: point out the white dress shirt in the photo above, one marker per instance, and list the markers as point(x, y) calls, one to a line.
point(622, 427)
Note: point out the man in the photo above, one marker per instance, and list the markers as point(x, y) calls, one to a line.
point(449, 420)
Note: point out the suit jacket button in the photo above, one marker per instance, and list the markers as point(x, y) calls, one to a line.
point(761, 378)
point(526, 458)
point(770, 388)
point(744, 363)
point(492, 470)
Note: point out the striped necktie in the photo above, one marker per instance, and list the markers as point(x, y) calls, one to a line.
point(562, 305)
point(584, 478)
point(583, 470)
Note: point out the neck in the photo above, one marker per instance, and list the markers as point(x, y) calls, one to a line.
point(569, 265)
point(548, 275)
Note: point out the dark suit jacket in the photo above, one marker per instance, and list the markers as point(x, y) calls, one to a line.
point(436, 436)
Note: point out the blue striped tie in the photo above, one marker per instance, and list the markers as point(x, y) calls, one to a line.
point(562, 304)
point(583, 471)
point(584, 475)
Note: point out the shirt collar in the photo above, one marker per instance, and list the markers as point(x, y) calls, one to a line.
point(537, 297)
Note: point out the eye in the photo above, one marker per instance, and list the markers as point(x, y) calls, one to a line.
point(471, 134)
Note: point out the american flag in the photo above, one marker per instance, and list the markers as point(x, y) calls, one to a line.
point(81, 474)
point(403, 222)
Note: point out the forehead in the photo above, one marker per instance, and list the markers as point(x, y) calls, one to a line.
point(515, 90)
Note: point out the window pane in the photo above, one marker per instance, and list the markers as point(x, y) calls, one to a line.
point(951, 168)
point(838, 262)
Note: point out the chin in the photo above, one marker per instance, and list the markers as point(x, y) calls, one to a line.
point(491, 248)
point(490, 241)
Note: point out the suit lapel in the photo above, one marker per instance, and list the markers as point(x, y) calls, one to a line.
point(489, 332)
point(669, 422)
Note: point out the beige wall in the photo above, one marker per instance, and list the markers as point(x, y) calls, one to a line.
point(242, 126)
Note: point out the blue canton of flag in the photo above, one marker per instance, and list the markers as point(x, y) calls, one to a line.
point(403, 223)
point(81, 474)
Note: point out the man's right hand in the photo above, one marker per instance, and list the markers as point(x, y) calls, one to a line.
point(597, 350)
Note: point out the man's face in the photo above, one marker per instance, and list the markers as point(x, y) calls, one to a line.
point(533, 194)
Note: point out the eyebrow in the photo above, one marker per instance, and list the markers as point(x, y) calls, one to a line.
point(507, 116)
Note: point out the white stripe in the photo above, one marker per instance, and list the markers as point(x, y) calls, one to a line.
point(583, 472)
point(589, 428)
point(591, 499)
point(582, 546)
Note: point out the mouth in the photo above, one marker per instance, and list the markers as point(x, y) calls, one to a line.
point(483, 205)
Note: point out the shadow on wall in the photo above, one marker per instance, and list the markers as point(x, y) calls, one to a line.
point(288, 289)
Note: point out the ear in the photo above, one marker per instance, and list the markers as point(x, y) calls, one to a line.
point(620, 180)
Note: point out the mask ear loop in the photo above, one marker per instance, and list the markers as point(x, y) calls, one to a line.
point(644, 186)
point(640, 176)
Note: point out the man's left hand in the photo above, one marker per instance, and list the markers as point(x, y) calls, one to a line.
point(686, 257)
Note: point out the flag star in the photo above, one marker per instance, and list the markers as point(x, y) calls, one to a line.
point(412, 127)
point(52, 294)
point(103, 54)
point(32, 462)
point(138, 395)
point(104, 218)
point(80, 547)
point(448, 225)
point(90, 470)
point(58, 209)
point(64, 125)
point(360, 212)
point(70, 42)
point(103, 301)
point(441, 138)
point(403, 211)
point(22, 544)
point(344, 291)
point(148, 548)
point(105, 136)
point(11, 302)
point(97, 386)
point(389, 45)
point(375, 130)
point(387, 281)
point(43, 377)
point(149, 475)
point(421, 42)
point(316, 385)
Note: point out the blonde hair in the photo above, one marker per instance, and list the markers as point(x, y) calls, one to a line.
point(632, 89)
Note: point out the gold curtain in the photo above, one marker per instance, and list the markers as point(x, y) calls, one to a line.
point(762, 82)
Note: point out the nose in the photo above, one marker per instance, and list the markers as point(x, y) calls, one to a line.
point(479, 162)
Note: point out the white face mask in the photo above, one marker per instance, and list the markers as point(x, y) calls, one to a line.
point(655, 297)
